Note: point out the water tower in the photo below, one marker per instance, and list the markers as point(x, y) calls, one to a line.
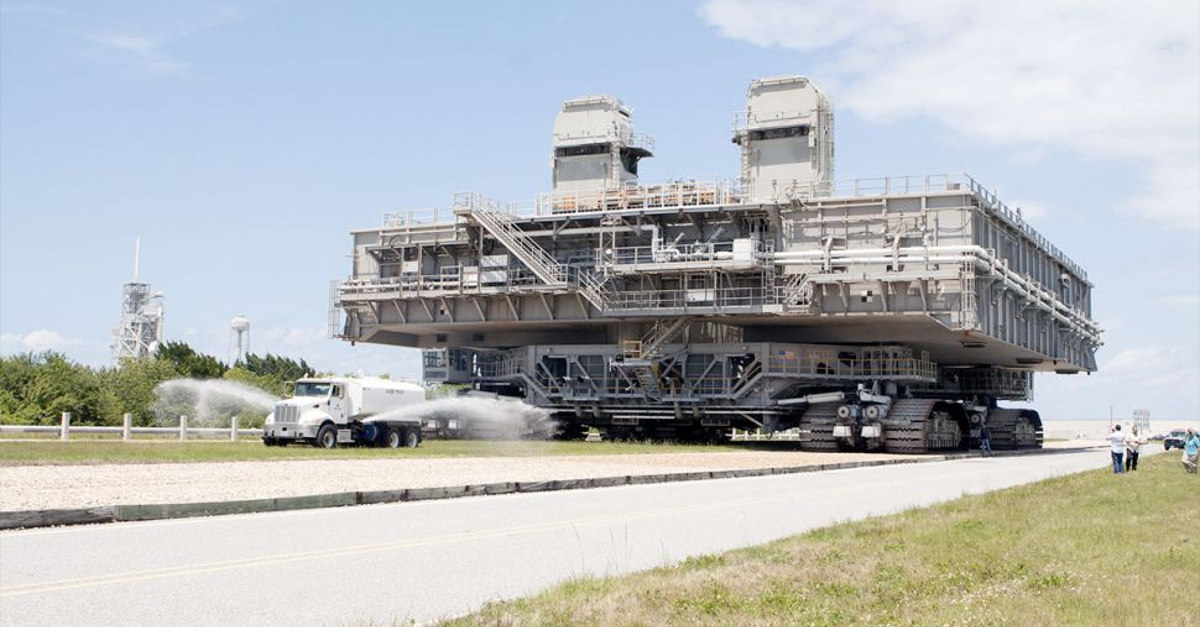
point(239, 338)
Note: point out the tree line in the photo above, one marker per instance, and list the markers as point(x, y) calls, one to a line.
point(35, 388)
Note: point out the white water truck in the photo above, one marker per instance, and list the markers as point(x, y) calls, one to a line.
point(331, 411)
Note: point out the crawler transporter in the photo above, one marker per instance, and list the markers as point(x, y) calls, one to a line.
point(893, 314)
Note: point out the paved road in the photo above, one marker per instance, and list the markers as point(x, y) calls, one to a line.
point(420, 561)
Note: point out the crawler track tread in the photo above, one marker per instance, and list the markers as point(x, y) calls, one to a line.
point(1003, 427)
point(816, 427)
point(908, 430)
point(904, 429)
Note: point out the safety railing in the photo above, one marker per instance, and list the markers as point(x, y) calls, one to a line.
point(1017, 221)
point(590, 286)
point(484, 210)
point(700, 298)
point(994, 381)
point(725, 253)
point(743, 120)
point(610, 136)
point(454, 281)
point(676, 193)
point(450, 280)
point(716, 191)
point(836, 367)
point(417, 217)
point(507, 365)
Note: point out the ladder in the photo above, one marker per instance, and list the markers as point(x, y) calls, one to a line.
point(968, 318)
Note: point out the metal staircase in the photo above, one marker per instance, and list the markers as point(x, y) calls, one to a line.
point(648, 380)
point(501, 226)
point(640, 355)
point(661, 333)
point(592, 288)
point(798, 291)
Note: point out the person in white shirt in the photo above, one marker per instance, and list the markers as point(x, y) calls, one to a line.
point(1133, 448)
point(1117, 440)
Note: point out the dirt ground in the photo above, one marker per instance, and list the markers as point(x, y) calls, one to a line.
point(79, 486)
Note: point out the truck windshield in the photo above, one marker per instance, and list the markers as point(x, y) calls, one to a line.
point(312, 389)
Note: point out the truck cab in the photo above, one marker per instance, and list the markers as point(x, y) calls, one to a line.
point(327, 412)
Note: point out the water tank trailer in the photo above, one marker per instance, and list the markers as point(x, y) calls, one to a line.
point(332, 411)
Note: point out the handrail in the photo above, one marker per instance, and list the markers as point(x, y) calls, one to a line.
point(502, 228)
point(743, 119)
point(632, 140)
point(544, 265)
point(717, 191)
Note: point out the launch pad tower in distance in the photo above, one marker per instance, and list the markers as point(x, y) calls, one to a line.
point(141, 328)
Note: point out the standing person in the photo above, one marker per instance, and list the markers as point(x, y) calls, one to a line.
point(1191, 447)
point(985, 441)
point(1117, 441)
point(1133, 448)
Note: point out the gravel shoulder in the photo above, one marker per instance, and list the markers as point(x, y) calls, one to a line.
point(76, 486)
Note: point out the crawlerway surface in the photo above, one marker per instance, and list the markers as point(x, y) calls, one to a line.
point(81, 486)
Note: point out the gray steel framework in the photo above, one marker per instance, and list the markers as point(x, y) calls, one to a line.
point(685, 307)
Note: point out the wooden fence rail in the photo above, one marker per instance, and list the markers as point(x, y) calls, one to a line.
point(127, 430)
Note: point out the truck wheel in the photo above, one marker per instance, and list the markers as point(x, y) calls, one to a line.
point(326, 437)
point(394, 438)
point(412, 438)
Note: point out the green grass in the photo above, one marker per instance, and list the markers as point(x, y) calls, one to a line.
point(1086, 549)
point(95, 451)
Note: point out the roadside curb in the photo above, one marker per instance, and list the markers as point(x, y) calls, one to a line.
point(27, 519)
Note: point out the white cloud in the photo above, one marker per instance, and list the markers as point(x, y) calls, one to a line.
point(145, 52)
point(1095, 77)
point(37, 341)
point(300, 336)
point(304, 336)
point(1165, 380)
point(1153, 367)
point(1034, 210)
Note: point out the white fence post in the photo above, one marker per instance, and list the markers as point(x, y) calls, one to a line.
point(127, 427)
point(233, 429)
point(183, 427)
point(65, 433)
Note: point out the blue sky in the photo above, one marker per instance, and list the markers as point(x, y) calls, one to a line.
point(243, 141)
